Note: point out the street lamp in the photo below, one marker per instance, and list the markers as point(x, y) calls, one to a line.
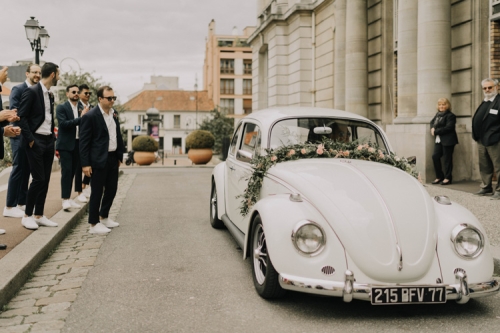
point(37, 36)
point(196, 89)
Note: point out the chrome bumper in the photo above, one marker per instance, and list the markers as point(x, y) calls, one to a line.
point(461, 291)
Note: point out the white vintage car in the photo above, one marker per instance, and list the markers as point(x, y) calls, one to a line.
point(345, 226)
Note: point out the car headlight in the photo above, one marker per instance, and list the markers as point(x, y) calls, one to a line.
point(308, 237)
point(468, 241)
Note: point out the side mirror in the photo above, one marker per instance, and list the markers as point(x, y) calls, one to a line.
point(244, 156)
point(412, 160)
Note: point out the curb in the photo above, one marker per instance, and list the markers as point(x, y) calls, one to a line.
point(26, 257)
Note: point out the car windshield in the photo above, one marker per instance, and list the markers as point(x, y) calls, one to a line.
point(301, 130)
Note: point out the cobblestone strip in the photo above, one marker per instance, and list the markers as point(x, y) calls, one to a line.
point(43, 303)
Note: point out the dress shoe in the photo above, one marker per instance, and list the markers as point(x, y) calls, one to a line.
point(99, 228)
point(484, 191)
point(446, 183)
point(82, 198)
point(45, 222)
point(496, 196)
point(74, 204)
point(2, 231)
point(109, 223)
point(12, 212)
point(66, 205)
point(3, 246)
point(437, 181)
point(29, 223)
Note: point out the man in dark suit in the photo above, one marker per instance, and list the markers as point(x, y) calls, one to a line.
point(67, 144)
point(37, 124)
point(7, 130)
point(84, 105)
point(19, 176)
point(101, 153)
point(486, 132)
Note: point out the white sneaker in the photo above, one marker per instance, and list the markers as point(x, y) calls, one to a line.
point(2, 231)
point(12, 212)
point(45, 222)
point(74, 204)
point(99, 228)
point(109, 223)
point(22, 207)
point(86, 192)
point(82, 198)
point(29, 223)
point(66, 205)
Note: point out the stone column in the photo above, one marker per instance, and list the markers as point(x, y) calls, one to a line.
point(434, 56)
point(339, 62)
point(407, 61)
point(356, 57)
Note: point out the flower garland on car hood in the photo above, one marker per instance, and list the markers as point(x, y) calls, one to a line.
point(327, 149)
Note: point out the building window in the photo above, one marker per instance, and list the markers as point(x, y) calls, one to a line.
point(247, 106)
point(227, 105)
point(247, 66)
point(247, 87)
point(177, 121)
point(225, 43)
point(226, 87)
point(227, 66)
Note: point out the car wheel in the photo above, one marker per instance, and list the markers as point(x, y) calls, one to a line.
point(265, 277)
point(214, 219)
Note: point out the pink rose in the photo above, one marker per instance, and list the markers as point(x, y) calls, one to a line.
point(380, 155)
point(291, 152)
point(303, 151)
point(346, 153)
point(273, 158)
point(319, 151)
point(371, 150)
point(360, 147)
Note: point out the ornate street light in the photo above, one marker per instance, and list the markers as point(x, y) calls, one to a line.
point(37, 36)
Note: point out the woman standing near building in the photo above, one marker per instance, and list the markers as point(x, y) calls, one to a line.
point(443, 128)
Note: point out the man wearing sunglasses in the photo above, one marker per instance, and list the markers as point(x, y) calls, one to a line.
point(84, 105)
point(486, 132)
point(67, 144)
point(101, 153)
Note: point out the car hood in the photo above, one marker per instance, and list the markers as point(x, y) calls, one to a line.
point(380, 213)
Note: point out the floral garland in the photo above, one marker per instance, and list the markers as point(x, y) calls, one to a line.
point(327, 149)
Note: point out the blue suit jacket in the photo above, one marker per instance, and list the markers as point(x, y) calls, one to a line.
point(66, 134)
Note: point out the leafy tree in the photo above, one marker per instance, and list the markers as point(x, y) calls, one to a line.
point(220, 126)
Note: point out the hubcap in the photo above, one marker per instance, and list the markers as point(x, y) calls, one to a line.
point(260, 255)
point(213, 203)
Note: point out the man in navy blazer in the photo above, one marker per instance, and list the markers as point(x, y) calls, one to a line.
point(17, 189)
point(37, 124)
point(67, 144)
point(101, 153)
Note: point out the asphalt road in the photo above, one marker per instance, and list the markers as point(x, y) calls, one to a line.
point(166, 270)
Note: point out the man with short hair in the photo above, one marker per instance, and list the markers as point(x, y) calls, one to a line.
point(101, 153)
point(37, 123)
point(486, 132)
point(19, 176)
point(84, 105)
point(67, 144)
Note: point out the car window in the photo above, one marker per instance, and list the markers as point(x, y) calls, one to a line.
point(251, 138)
point(301, 130)
point(234, 141)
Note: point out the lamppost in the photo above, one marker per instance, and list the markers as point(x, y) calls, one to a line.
point(196, 89)
point(37, 36)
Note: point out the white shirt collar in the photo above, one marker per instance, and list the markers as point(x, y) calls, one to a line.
point(28, 83)
point(44, 88)
point(111, 111)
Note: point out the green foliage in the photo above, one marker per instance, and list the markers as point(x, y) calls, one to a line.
point(328, 149)
point(220, 126)
point(7, 159)
point(144, 143)
point(200, 139)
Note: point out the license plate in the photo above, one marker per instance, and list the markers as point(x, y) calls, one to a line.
point(408, 295)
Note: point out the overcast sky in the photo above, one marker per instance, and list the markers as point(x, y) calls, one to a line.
point(123, 41)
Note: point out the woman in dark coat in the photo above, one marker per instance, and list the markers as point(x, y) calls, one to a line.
point(443, 129)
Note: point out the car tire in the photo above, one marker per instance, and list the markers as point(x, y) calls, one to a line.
point(265, 277)
point(214, 217)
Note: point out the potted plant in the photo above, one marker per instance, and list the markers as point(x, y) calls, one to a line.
point(144, 148)
point(200, 145)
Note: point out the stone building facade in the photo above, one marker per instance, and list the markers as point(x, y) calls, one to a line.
point(387, 60)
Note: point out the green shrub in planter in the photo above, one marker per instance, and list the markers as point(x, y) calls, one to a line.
point(144, 143)
point(200, 139)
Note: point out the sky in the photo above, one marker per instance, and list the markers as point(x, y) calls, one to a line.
point(123, 42)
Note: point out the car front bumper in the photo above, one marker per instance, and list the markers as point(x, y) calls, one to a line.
point(461, 291)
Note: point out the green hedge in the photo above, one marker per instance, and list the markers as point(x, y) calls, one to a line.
point(144, 143)
point(200, 139)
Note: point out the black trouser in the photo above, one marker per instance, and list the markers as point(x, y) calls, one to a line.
point(447, 153)
point(17, 189)
point(104, 184)
point(40, 158)
point(70, 165)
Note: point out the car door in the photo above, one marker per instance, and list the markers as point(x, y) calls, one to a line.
point(239, 168)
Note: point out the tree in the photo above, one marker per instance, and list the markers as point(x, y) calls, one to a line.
point(220, 126)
